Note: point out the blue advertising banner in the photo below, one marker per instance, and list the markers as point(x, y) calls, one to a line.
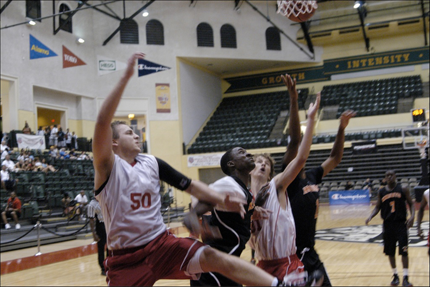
point(146, 67)
point(356, 196)
point(39, 50)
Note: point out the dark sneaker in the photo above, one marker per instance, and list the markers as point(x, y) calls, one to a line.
point(406, 281)
point(103, 273)
point(396, 280)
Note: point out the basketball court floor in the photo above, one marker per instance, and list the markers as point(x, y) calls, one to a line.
point(351, 252)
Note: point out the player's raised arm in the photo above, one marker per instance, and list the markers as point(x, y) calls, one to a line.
point(336, 153)
point(294, 124)
point(102, 139)
point(283, 179)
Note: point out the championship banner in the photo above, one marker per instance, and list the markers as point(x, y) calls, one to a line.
point(204, 160)
point(39, 50)
point(162, 95)
point(70, 59)
point(30, 141)
point(357, 196)
point(146, 67)
point(364, 147)
point(107, 66)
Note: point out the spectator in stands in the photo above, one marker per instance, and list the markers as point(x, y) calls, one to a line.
point(65, 203)
point(10, 165)
point(367, 184)
point(383, 183)
point(26, 129)
point(98, 229)
point(3, 146)
point(13, 210)
point(82, 200)
point(53, 136)
point(60, 138)
point(47, 134)
point(68, 137)
point(20, 165)
point(349, 185)
point(53, 151)
point(47, 167)
point(21, 155)
point(74, 140)
point(72, 154)
point(4, 153)
point(40, 131)
point(4, 176)
point(83, 156)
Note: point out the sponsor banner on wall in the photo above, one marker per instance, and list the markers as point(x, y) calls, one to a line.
point(30, 141)
point(356, 196)
point(70, 59)
point(162, 95)
point(204, 160)
point(364, 147)
point(39, 50)
point(146, 67)
point(107, 66)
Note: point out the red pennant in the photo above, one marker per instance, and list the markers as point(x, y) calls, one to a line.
point(70, 59)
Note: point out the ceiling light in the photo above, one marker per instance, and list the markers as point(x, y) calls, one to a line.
point(145, 13)
point(80, 41)
point(31, 22)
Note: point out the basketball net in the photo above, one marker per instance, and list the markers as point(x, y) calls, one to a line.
point(296, 7)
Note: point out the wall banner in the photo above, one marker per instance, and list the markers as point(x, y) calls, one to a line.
point(356, 196)
point(364, 147)
point(273, 79)
point(204, 160)
point(377, 61)
point(30, 141)
point(146, 67)
point(331, 67)
point(162, 97)
point(107, 66)
point(39, 50)
point(70, 59)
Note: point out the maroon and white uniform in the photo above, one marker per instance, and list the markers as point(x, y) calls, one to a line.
point(141, 249)
point(274, 239)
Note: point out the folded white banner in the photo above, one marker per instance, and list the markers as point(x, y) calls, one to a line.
point(204, 160)
point(106, 66)
point(30, 141)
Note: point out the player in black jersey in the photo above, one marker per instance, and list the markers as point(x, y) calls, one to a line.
point(391, 202)
point(303, 193)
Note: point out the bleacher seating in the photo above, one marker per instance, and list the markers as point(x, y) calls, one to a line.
point(406, 163)
point(368, 98)
point(245, 120)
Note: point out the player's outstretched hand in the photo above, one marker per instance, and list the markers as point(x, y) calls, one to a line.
point(235, 204)
point(132, 62)
point(367, 221)
point(345, 117)
point(291, 85)
point(313, 107)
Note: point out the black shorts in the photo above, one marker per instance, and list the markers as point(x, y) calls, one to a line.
point(394, 232)
point(9, 215)
point(312, 262)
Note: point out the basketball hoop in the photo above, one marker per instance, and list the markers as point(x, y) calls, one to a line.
point(297, 10)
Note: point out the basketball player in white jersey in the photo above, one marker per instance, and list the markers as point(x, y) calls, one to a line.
point(424, 203)
point(274, 239)
point(141, 250)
